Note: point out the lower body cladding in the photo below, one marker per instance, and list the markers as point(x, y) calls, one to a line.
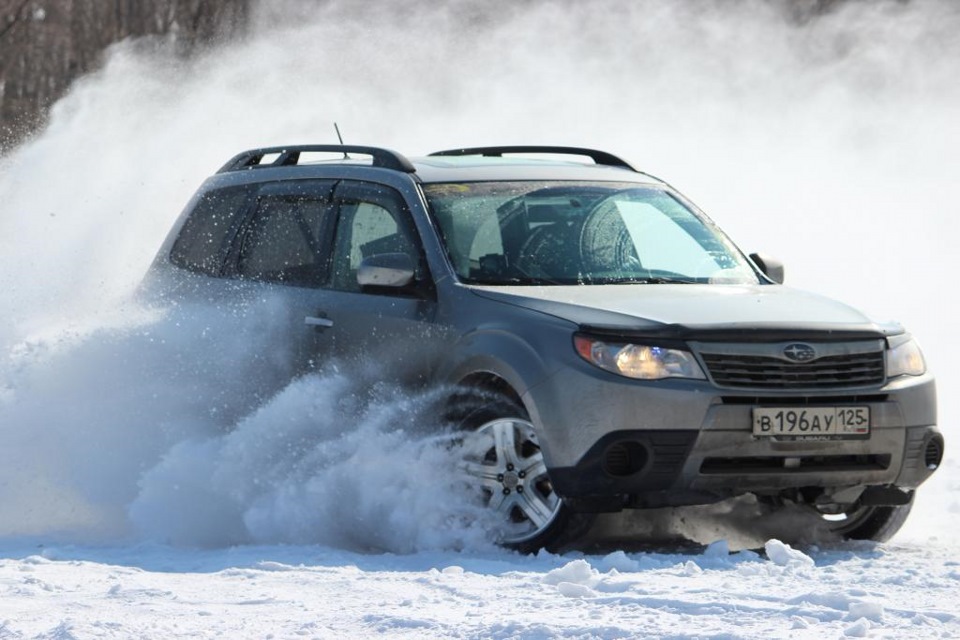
point(660, 467)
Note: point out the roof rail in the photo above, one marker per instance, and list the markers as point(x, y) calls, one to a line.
point(287, 156)
point(599, 157)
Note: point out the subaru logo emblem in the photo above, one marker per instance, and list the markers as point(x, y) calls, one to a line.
point(799, 352)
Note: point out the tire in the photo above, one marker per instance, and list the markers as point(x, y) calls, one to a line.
point(870, 523)
point(501, 454)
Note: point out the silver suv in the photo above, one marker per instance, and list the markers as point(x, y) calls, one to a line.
point(604, 343)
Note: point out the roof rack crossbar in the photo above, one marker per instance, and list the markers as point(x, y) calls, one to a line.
point(288, 156)
point(599, 157)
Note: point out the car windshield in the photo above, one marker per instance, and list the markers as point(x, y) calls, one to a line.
point(562, 233)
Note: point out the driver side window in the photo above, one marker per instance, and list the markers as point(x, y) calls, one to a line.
point(373, 221)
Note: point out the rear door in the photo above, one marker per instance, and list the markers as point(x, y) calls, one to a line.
point(289, 262)
point(281, 263)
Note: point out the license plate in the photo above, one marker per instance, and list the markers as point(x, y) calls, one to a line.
point(804, 423)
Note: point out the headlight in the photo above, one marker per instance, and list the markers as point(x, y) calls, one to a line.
point(904, 358)
point(639, 361)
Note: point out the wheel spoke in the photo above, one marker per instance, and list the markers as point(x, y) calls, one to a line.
point(480, 470)
point(501, 502)
point(486, 473)
point(535, 467)
point(506, 443)
point(534, 508)
point(476, 446)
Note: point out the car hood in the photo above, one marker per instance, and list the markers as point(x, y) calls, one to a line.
point(690, 308)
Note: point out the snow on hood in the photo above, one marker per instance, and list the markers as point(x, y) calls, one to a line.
point(693, 305)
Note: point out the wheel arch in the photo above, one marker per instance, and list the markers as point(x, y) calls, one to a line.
point(480, 387)
point(495, 363)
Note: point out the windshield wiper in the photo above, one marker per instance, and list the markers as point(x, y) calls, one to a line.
point(639, 280)
point(540, 281)
point(513, 281)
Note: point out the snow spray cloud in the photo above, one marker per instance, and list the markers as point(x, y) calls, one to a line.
point(325, 463)
point(83, 415)
point(182, 425)
point(829, 141)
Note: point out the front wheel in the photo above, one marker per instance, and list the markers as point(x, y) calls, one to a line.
point(502, 455)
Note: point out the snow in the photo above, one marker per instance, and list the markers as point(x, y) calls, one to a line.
point(160, 475)
point(151, 591)
point(783, 555)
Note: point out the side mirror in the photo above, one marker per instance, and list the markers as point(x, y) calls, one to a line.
point(394, 270)
point(770, 266)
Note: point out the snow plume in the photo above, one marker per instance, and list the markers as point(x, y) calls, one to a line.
point(180, 425)
point(322, 462)
point(86, 409)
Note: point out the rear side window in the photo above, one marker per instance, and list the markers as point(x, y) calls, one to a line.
point(284, 242)
point(204, 239)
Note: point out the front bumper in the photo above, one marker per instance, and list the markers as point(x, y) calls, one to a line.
point(616, 442)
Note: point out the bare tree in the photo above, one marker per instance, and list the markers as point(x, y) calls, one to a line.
point(46, 44)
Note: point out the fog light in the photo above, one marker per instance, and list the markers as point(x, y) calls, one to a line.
point(933, 453)
point(625, 458)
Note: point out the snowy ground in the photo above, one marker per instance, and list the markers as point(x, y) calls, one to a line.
point(909, 589)
point(159, 479)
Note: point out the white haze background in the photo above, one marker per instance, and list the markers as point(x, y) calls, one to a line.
point(832, 143)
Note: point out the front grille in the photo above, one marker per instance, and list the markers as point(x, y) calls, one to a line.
point(763, 372)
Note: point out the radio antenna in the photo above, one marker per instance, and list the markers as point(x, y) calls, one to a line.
point(340, 138)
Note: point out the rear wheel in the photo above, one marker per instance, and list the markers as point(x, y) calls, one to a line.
point(502, 455)
point(869, 523)
point(805, 523)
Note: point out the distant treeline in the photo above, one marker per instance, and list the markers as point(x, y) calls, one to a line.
point(46, 44)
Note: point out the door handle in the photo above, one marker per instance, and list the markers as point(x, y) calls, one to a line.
point(314, 321)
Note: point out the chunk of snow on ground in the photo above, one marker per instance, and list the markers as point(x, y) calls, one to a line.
point(833, 600)
point(872, 611)
point(718, 549)
point(573, 590)
point(784, 555)
point(273, 566)
point(619, 561)
point(577, 572)
point(803, 622)
point(858, 629)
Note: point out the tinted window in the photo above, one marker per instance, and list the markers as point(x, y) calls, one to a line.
point(284, 241)
point(373, 220)
point(205, 236)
